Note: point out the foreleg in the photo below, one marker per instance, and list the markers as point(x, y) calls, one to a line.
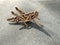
point(14, 13)
point(21, 12)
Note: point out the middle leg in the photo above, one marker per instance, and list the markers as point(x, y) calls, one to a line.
point(26, 25)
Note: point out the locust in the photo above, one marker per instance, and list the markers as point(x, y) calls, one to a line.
point(23, 17)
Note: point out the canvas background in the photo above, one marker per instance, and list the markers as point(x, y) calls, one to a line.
point(49, 14)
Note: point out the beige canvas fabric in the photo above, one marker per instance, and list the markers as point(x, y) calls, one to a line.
point(49, 34)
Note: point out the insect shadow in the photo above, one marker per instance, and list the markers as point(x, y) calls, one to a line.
point(32, 25)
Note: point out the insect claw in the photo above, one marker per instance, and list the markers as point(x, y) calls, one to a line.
point(12, 12)
point(16, 8)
